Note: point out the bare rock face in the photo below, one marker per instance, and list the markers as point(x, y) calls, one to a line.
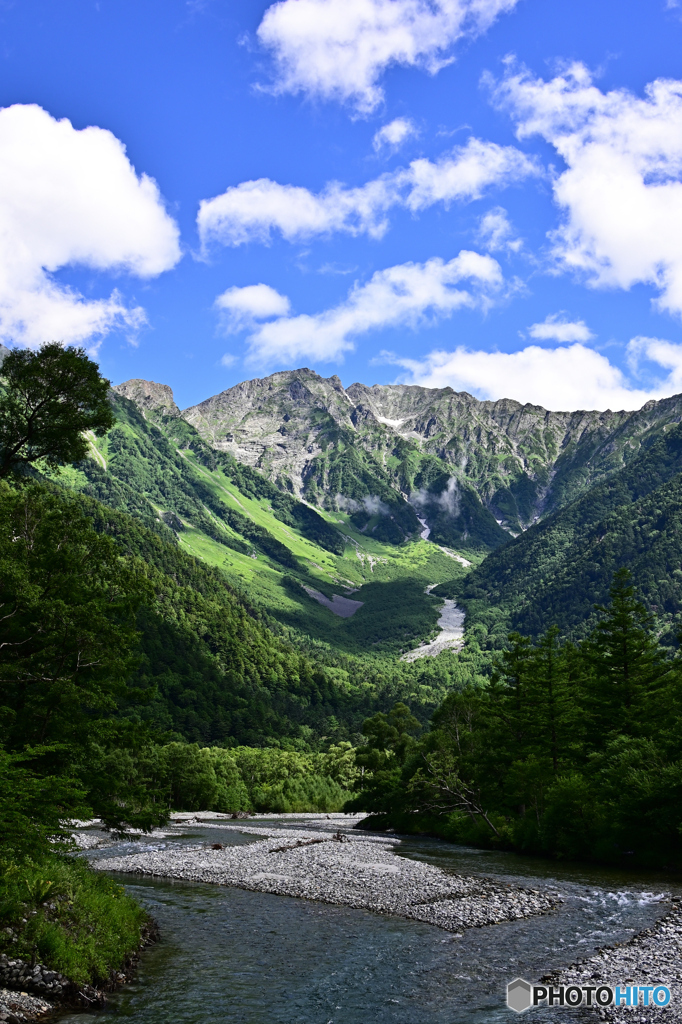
point(336, 447)
point(522, 460)
point(274, 423)
point(149, 396)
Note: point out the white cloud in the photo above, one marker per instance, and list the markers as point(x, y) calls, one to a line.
point(68, 198)
point(394, 133)
point(338, 49)
point(242, 307)
point(567, 378)
point(252, 210)
point(465, 174)
point(621, 191)
point(557, 328)
point(496, 232)
point(404, 295)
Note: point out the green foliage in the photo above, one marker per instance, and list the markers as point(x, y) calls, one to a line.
point(145, 472)
point(193, 778)
point(571, 750)
point(34, 807)
point(313, 793)
point(390, 740)
point(457, 516)
point(75, 921)
point(68, 646)
point(559, 568)
point(48, 399)
point(67, 602)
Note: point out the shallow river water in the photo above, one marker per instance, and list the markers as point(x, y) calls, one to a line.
point(228, 955)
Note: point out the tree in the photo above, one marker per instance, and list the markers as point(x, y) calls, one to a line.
point(68, 636)
point(68, 646)
point(627, 665)
point(48, 400)
point(390, 740)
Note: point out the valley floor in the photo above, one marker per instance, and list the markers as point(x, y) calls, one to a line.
point(345, 869)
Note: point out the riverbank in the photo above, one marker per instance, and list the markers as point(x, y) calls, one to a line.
point(339, 868)
point(653, 957)
point(263, 953)
point(68, 936)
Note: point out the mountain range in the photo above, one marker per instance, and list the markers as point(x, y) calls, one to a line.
point(308, 493)
point(490, 466)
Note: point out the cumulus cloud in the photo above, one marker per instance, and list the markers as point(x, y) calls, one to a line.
point(393, 134)
point(496, 232)
point(338, 49)
point(557, 328)
point(621, 191)
point(405, 295)
point(72, 198)
point(567, 378)
point(242, 307)
point(252, 210)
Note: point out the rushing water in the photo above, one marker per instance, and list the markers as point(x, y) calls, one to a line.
point(256, 958)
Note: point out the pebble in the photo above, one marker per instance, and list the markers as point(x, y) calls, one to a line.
point(363, 873)
point(652, 957)
point(37, 979)
point(19, 1006)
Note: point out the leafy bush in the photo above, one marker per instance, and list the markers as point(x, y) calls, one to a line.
point(68, 917)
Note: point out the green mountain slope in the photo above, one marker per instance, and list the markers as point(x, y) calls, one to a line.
point(559, 569)
point(209, 666)
point(287, 556)
point(602, 484)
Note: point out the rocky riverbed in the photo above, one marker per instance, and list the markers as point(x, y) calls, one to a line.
point(362, 872)
point(653, 957)
point(16, 1007)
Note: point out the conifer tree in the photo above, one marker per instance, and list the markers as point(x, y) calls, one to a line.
point(625, 666)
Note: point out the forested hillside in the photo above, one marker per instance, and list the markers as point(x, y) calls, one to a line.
point(570, 750)
point(557, 571)
point(157, 469)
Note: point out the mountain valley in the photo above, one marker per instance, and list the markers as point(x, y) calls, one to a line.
point(303, 490)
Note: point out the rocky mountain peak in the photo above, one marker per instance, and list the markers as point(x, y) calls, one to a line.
point(148, 396)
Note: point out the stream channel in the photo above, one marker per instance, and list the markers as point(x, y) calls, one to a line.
point(230, 955)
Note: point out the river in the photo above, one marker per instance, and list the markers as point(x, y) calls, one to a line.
point(257, 958)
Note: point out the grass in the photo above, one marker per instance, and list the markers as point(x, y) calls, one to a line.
point(63, 914)
point(389, 580)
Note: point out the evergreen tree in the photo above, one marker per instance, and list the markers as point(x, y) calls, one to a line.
point(626, 667)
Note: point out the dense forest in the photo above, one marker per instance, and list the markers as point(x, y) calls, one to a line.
point(570, 749)
point(558, 570)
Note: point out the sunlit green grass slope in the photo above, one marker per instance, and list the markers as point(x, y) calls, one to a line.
point(228, 516)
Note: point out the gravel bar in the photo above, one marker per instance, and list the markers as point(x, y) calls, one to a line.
point(20, 1006)
point(363, 873)
point(652, 957)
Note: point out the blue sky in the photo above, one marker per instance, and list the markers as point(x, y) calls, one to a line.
point(484, 194)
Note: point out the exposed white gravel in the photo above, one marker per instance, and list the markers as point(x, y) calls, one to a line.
point(362, 872)
point(19, 1006)
point(653, 957)
point(451, 624)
